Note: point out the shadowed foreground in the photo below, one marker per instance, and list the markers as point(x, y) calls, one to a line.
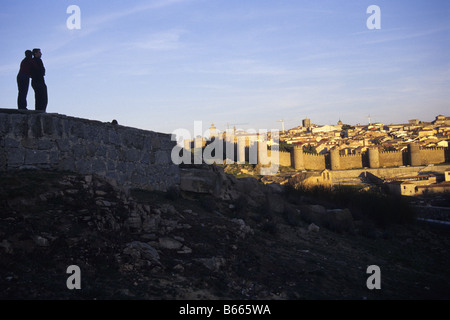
point(154, 245)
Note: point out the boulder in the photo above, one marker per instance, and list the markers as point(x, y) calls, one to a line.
point(200, 180)
point(314, 213)
point(313, 228)
point(213, 264)
point(340, 220)
point(169, 243)
point(141, 250)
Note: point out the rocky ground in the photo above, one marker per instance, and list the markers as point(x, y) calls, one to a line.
point(249, 242)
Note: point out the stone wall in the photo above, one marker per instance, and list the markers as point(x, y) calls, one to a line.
point(314, 161)
point(350, 161)
point(284, 158)
point(372, 158)
point(432, 155)
point(391, 158)
point(340, 176)
point(127, 156)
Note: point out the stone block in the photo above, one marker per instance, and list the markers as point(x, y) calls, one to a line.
point(78, 130)
point(145, 157)
point(133, 139)
point(45, 144)
point(62, 128)
point(112, 152)
point(16, 157)
point(83, 166)
point(67, 163)
point(30, 143)
point(4, 123)
point(99, 166)
point(162, 157)
point(36, 157)
point(36, 127)
point(91, 149)
point(133, 155)
point(54, 157)
point(79, 151)
point(19, 125)
point(48, 127)
point(130, 168)
point(166, 142)
point(156, 143)
point(121, 167)
point(147, 143)
point(110, 165)
point(114, 137)
point(11, 143)
point(63, 144)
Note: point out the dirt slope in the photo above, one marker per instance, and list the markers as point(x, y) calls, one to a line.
point(148, 245)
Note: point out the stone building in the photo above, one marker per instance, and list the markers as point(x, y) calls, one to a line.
point(441, 120)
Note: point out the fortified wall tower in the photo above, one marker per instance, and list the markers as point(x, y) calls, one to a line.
point(414, 156)
point(414, 152)
point(374, 158)
point(127, 156)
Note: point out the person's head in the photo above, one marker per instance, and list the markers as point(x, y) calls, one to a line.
point(28, 54)
point(37, 53)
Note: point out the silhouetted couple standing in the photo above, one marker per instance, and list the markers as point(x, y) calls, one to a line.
point(32, 67)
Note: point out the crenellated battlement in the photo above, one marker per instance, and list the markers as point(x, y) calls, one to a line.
point(392, 152)
point(351, 155)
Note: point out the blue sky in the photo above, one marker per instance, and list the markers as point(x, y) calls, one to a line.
point(161, 65)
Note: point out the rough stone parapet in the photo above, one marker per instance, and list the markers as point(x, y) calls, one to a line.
point(129, 157)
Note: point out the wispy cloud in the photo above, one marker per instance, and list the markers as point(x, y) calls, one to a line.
point(76, 57)
point(165, 40)
point(8, 68)
point(93, 24)
point(242, 67)
point(407, 36)
point(101, 20)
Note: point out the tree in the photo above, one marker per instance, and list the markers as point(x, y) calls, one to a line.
point(283, 146)
point(309, 149)
point(347, 127)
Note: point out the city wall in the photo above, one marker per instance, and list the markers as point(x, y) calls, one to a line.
point(283, 156)
point(342, 176)
point(432, 155)
point(314, 162)
point(350, 161)
point(333, 160)
point(392, 158)
point(127, 156)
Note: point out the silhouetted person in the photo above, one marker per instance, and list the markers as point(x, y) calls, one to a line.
point(23, 80)
point(37, 81)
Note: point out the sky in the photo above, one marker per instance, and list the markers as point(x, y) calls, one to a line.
point(161, 65)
